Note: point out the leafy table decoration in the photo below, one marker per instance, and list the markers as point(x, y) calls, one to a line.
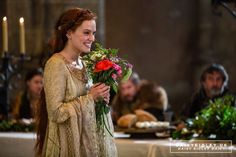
point(217, 121)
point(23, 125)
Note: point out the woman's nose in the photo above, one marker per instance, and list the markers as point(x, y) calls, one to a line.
point(92, 37)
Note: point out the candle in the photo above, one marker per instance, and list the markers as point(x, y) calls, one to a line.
point(4, 34)
point(22, 36)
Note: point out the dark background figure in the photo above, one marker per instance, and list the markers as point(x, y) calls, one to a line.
point(26, 101)
point(214, 84)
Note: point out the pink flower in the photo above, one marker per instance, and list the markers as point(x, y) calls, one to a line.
point(116, 67)
point(130, 65)
point(119, 72)
point(114, 76)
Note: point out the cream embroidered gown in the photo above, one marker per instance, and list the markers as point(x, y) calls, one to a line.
point(72, 127)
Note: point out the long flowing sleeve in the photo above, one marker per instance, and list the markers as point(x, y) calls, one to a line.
point(55, 86)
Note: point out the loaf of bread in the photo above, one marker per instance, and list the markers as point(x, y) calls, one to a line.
point(144, 116)
point(127, 120)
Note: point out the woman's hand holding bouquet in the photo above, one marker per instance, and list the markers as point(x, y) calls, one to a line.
point(106, 70)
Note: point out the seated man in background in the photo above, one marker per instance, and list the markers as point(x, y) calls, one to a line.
point(124, 101)
point(26, 101)
point(214, 84)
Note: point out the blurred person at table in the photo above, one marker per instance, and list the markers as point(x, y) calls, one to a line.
point(66, 121)
point(26, 102)
point(214, 84)
point(124, 101)
point(153, 99)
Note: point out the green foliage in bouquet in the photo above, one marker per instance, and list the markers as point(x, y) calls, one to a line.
point(105, 66)
point(218, 119)
point(16, 126)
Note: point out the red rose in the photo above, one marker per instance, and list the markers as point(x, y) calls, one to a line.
point(103, 65)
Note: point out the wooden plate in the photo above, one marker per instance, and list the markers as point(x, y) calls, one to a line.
point(141, 130)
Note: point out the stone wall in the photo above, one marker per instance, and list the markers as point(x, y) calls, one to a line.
point(170, 42)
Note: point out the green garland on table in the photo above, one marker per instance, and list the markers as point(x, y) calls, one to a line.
point(217, 121)
point(17, 126)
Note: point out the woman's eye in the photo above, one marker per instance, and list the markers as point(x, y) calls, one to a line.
point(87, 33)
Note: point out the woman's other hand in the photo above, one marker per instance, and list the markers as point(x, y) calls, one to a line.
point(100, 90)
point(107, 97)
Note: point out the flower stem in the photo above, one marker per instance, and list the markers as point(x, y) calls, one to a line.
point(101, 111)
point(104, 115)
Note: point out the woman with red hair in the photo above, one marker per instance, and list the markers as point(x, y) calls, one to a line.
point(67, 120)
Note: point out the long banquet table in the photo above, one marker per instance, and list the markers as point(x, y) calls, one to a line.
point(22, 145)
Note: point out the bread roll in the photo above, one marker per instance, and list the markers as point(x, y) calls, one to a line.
point(127, 120)
point(144, 116)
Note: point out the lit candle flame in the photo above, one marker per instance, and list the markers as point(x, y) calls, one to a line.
point(21, 20)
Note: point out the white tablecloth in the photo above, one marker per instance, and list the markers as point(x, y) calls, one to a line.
point(159, 148)
point(22, 144)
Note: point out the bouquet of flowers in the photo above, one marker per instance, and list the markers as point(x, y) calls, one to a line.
point(103, 65)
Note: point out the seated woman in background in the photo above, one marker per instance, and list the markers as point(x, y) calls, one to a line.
point(26, 102)
point(152, 99)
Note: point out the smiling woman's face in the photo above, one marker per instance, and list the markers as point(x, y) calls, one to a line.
point(82, 38)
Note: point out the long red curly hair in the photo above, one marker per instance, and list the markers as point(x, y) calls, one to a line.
point(69, 20)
